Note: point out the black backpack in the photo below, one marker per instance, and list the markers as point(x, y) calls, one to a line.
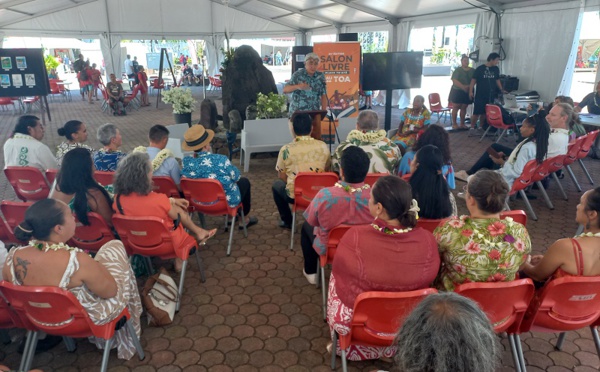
point(78, 65)
point(83, 76)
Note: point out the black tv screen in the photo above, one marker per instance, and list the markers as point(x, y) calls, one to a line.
point(395, 70)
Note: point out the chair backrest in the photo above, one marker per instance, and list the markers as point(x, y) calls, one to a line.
point(93, 236)
point(308, 184)
point(435, 102)
point(525, 178)
point(505, 315)
point(378, 316)
point(333, 239)
point(54, 87)
point(51, 175)
point(177, 130)
point(547, 167)
point(6, 101)
point(573, 150)
point(165, 185)
point(429, 224)
point(206, 196)
point(104, 178)
point(373, 177)
point(517, 215)
point(28, 182)
point(146, 235)
point(590, 138)
point(14, 214)
point(50, 309)
point(493, 116)
point(565, 304)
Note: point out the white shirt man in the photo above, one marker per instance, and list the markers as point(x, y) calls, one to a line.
point(558, 118)
point(27, 150)
point(197, 70)
point(128, 66)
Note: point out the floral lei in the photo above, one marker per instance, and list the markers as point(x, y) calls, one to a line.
point(160, 158)
point(52, 247)
point(303, 138)
point(381, 227)
point(371, 136)
point(351, 189)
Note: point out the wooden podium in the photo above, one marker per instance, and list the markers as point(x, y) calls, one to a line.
point(317, 116)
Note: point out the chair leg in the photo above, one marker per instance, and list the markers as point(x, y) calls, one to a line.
point(231, 235)
point(572, 175)
point(333, 348)
point(344, 361)
point(31, 336)
point(485, 133)
point(596, 339)
point(181, 280)
point(587, 174)
point(293, 230)
point(520, 351)
point(200, 266)
point(560, 186)
point(545, 195)
point(500, 136)
point(135, 339)
point(105, 355)
point(514, 353)
point(324, 293)
point(148, 263)
point(528, 204)
point(561, 339)
point(70, 344)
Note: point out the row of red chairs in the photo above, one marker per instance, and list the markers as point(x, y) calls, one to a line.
point(564, 304)
point(215, 83)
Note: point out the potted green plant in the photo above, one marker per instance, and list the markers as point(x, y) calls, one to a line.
point(271, 106)
point(183, 104)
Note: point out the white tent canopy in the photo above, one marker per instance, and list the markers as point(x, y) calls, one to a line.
point(209, 20)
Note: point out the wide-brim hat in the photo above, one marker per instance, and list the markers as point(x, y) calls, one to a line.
point(196, 138)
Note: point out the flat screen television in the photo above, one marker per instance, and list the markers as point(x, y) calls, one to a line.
point(394, 70)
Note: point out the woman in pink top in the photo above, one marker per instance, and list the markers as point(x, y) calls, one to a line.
point(391, 255)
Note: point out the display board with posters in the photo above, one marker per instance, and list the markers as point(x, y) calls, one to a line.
point(340, 63)
point(23, 73)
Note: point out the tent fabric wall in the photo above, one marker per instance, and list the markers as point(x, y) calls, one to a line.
point(110, 45)
point(567, 79)
point(598, 68)
point(524, 30)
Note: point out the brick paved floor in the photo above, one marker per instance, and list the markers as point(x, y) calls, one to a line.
point(256, 311)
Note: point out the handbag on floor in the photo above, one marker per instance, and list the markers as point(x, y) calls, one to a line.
point(159, 297)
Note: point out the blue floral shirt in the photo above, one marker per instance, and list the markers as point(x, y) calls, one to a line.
point(216, 167)
point(106, 161)
point(309, 99)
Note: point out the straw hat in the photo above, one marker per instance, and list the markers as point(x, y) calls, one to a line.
point(196, 138)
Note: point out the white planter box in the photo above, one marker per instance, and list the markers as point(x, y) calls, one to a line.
point(264, 135)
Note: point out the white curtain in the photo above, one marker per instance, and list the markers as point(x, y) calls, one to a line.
point(567, 79)
point(537, 42)
point(214, 57)
point(110, 45)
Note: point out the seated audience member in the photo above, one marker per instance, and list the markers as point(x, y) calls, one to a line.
point(536, 132)
point(76, 134)
point(115, 96)
point(205, 164)
point(370, 258)
point(187, 74)
point(345, 203)
point(104, 285)
point(413, 120)
point(437, 136)
point(134, 197)
point(163, 159)
point(384, 153)
point(447, 332)
point(576, 256)
point(107, 158)
point(25, 148)
point(560, 118)
point(303, 154)
point(592, 101)
point(76, 187)
point(481, 247)
point(429, 186)
point(197, 71)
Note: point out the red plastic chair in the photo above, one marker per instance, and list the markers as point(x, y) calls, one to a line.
point(493, 116)
point(29, 102)
point(522, 182)
point(584, 151)
point(93, 236)
point(435, 105)
point(517, 215)
point(10, 319)
point(104, 178)
point(564, 304)
point(376, 319)
point(306, 187)
point(28, 182)
point(166, 185)
point(158, 85)
point(333, 239)
point(14, 214)
point(51, 175)
point(430, 224)
point(58, 312)
point(207, 196)
point(506, 315)
point(7, 101)
point(546, 168)
point(148, 237)
point(54, 89)
point(571, 157)
point(373, 177)
point(132, 99)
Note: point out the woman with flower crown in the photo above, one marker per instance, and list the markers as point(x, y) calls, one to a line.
point(104, 285)
point(576, 256)
point(481, 247)
point(390, 255)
